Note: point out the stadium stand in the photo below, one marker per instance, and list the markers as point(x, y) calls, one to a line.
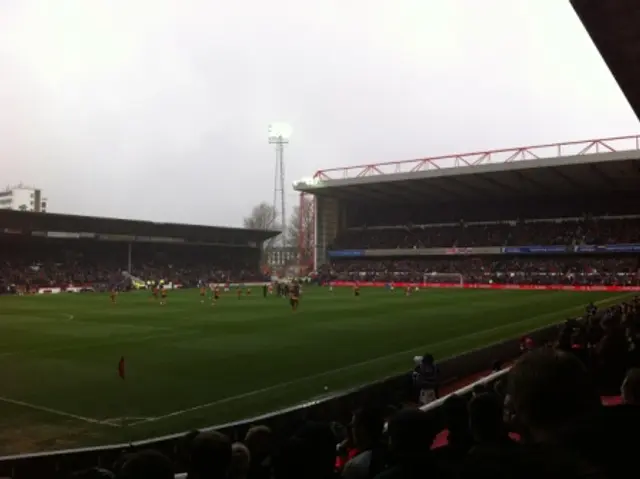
point(47, 252)
point(567, 270)
point(563, 221)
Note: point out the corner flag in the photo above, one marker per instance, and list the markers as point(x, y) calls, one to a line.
point(121, 367)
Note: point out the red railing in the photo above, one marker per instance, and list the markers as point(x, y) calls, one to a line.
point(507, 155)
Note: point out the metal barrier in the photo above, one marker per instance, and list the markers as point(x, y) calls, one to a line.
point(466, 389)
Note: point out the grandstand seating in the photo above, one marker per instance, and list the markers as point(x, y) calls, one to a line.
point(61, 262)
point(564, 270)
point(589, 230)
point(570, 268)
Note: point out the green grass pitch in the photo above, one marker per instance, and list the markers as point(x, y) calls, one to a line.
point(192, 365)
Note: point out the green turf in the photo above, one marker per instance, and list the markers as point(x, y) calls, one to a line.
point(59, 354)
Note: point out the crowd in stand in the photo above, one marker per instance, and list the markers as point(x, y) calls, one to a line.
point(585, 231)
point(569, 268)
point(566, 270)
point(47, 262)
point(551, 415)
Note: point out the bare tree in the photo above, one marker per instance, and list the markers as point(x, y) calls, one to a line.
point(23, 208)
point(263, 217)
point(300, 229)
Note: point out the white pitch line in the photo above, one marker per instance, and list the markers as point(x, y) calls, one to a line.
point(56, 412)
point(118, 421)
point(331, 372)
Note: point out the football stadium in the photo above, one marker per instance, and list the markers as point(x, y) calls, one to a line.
point(460, 308)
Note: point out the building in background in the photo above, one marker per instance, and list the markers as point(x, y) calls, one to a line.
point(23, 198)
point(280, 256)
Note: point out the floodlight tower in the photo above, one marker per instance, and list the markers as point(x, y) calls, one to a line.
point(279, 134)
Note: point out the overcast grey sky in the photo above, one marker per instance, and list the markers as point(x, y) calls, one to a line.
point(159, 109)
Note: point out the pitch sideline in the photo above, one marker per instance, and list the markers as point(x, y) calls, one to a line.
point(56, 412)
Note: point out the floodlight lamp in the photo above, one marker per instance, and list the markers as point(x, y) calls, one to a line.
point(279, 130)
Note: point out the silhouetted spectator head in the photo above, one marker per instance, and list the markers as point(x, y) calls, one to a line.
point(367, 427)
point(411, 434)
point(146, 465)
point(320, 439)
point(310, 453)
point(456, 420)
point(485, 418)
point(550, 393)
point(290, 460)
point(259, 441)
point(184, 448)
point(455, 413)
point(631, 387)
point(210, 456)
point(240, 461)
point(428, 359)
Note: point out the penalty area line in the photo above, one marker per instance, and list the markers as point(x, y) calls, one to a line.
point(367, 362)
point(56, 412)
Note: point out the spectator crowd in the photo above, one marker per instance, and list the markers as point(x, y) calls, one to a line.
point(571, 232)
point(46, 262)
point(569, 409)
point(592, 270)
point(569, 268)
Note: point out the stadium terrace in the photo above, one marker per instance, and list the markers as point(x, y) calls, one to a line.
point(54, 252)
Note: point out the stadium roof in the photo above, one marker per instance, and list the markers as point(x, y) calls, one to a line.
point(607, 164)
point(613, 27)
point(22, 222)
point(611, 164)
